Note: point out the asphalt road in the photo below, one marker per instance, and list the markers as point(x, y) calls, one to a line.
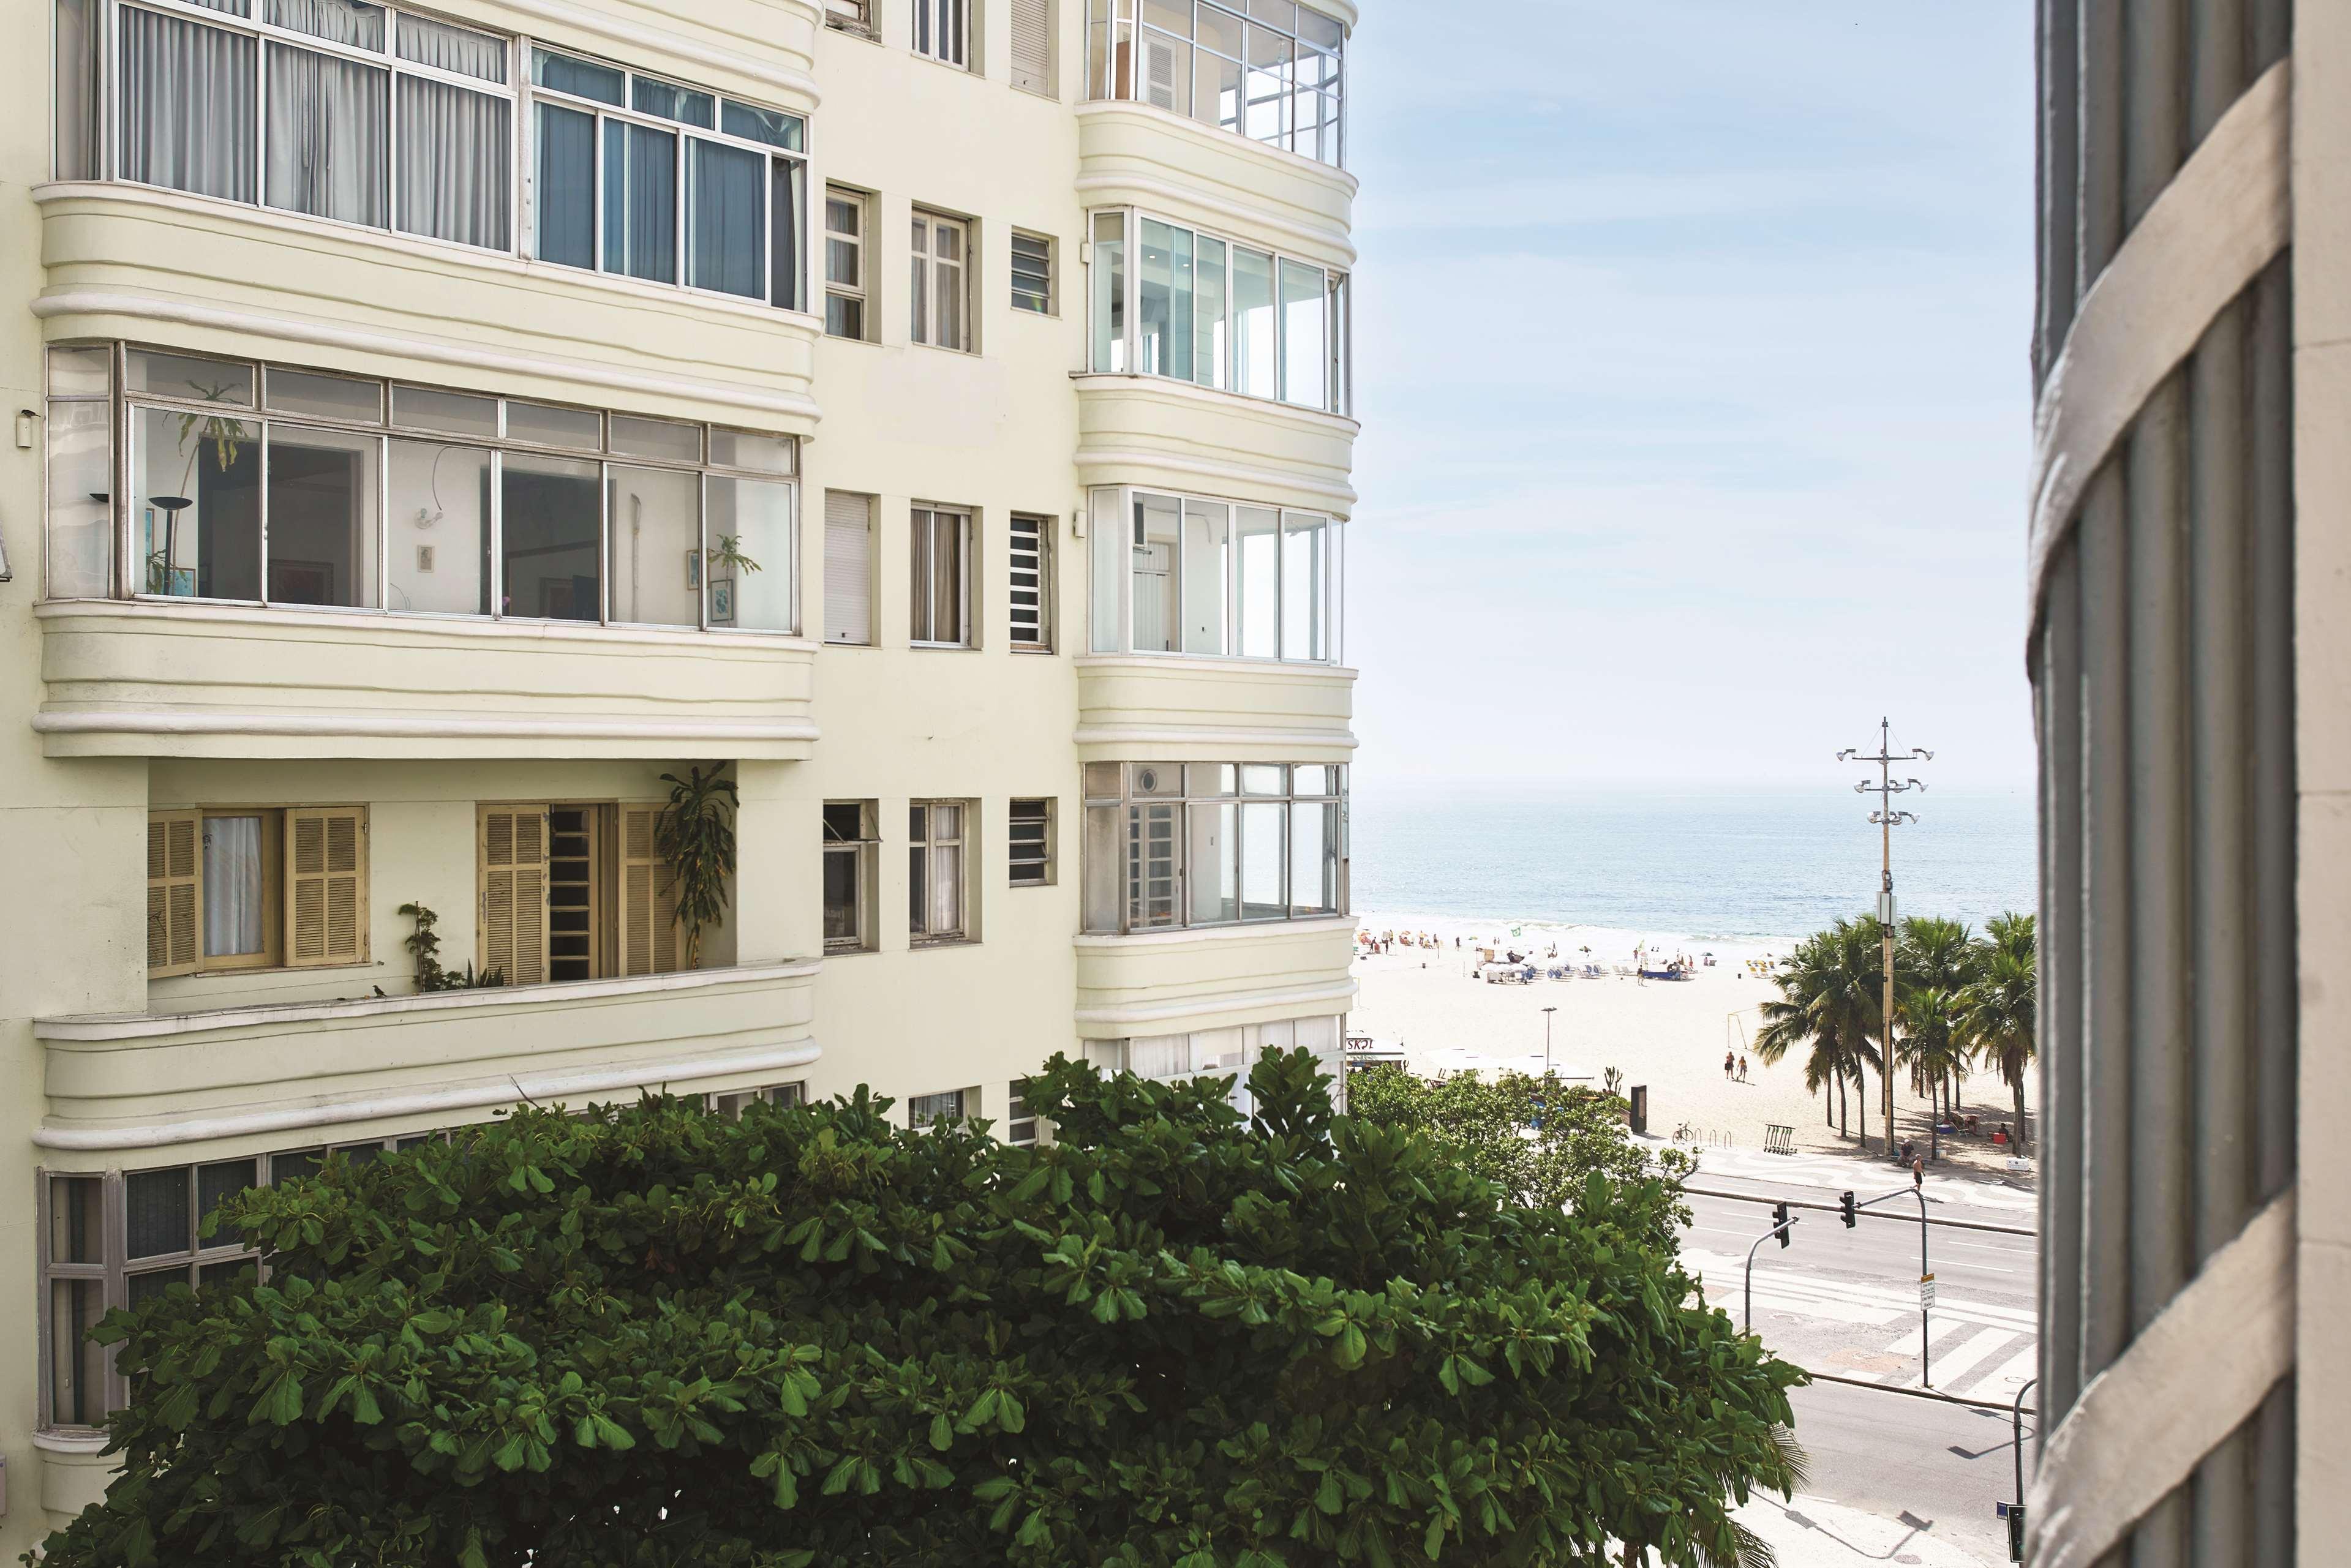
point(1934, 1468)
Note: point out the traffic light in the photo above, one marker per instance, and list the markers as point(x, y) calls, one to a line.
point(1850, 1219)
point(1780, 1221)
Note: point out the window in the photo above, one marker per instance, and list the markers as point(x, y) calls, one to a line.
point(1032, 563)
point(1183, 574)
point(845, 226)
point(1226, 1052)
point(781, 1095)
point(1019, 1127)
point(256, 887)
point(1032, 273)
point(938, 263)
point(1170, 844)
point(652, 180)
point(851, 843)
point(1029, 843)
point(942, 30)
point(926, 1110)
point(937, 870)
point(280, 498)
point(357, 113)
point(574, 891)
point(848, 569)
point(939, 591)
point(1271, 70)
point(1217, 313)
point(849, 15)
point(1032, 46)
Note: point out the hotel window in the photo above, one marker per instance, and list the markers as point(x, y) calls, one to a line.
point(1032, 273)
point(937, 872)
point(1029, 843)
point(649, 179)
point(1185, 574)
point(845, 229)
point(851, 848)
point(1217, 313)
point(1226, 1052)
point(262, 484)
point(574, 891)
point(850, 16)
point(1032, 46)
point(352, 112)
point(942, 30)
point(1170, 844)
point(848, 569)
point(939, 264)
point(231, 887)
point(939, 585)
point(1031, 562)
point(924, 1111)
point(1019, 1127)
point(1271, 70)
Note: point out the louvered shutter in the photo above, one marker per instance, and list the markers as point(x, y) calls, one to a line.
point(1159, 74)
point(848, 567)
point(174, 892)
point(326, 886)
point(514, 892)
point(649, 933)
point(1032, 46)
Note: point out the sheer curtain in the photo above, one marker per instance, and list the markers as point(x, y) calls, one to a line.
point(444, 47)
point(328, 136)
point(338, 21)
point(726, 219)
point(187, 97)
point(453, 177)
point(231, 885)
point(79, 28)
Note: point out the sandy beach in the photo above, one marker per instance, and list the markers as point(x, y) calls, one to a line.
point(1669, 1035)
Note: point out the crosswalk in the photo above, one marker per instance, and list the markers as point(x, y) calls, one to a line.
point(1980, 1349)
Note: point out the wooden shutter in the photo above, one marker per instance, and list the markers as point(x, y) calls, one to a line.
point(514, 892)
point(1159, 74)
point(326, 886)
point(648, 931)
point(175, 892)
point(1032, 46)
point(848, 567)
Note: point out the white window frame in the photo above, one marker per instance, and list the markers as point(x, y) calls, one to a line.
point(942, 31)
point(864, 853)
point(922, 617)
point(1032, 863)
point(862, 246)
point(1115, 347)
point(1114, 36)
point(1119, 789)
point(927, 847)
point(1029, 563)
point(922, 267)
point(924, 1111)
point(1020, 1124)
point(1048, 302)
point(1116, 513)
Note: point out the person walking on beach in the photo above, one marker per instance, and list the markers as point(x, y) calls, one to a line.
point(1742, 1069)
point(1730, 1062)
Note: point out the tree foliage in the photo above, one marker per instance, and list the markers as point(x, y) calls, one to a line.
point(653, 1336)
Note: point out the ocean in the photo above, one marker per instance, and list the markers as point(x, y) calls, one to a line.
point(1735, 867)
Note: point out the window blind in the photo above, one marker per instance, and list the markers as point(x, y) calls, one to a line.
point(174, 892)
point(649, 932)
point(1032, 46)
point(326, 886)
point(848, 567)
point(514, 892)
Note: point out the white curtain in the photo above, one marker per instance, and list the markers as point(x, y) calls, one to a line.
point(328, 137)
point(1159, 1056)
point(231, 885)
point(186, 94)
point(338, 21)
point(455, 181)
point(447, 48)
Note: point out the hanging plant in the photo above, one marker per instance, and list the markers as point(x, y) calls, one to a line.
point(695, 836)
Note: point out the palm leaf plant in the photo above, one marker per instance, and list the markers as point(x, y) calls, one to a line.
point(2001, 1008)
point(695, 836)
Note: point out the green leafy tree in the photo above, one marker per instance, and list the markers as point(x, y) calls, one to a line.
point(695, 836)
point(655, 1337)
point(2001, 1010)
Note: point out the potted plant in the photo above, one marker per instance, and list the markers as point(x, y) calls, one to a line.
point(727, 558)
point(695, 836)
point(227, 435)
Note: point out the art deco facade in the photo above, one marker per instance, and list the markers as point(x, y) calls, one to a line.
point(439, 423)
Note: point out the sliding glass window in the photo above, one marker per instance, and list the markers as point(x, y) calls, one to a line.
point(1194, 308)
point(649, 179)
point(334, 108)
point(1184, 844)
point(1271, 70)
point(265, 484)
point(1187, 574)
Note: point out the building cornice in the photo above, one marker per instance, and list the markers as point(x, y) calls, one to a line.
point(1134, 1016)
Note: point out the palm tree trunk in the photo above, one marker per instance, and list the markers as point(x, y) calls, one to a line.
point(1844, 1125)
point(2017, 1085)
point(1861, 1098)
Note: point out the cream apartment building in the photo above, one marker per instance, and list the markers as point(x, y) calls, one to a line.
point(432, 425)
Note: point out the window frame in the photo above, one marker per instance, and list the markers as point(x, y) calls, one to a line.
point(922, 265)
point(865, 854)
point(926, 848)
point(1030, 569)
point(389, 428)
point(278, 912)
point(854, 17)
point(1114, 347)
point(964, 1109)
point(1114, 53)
point(1117, 513)
point(925, 616)
point(1021, 1127)
point(934, 17)
point(1019, 857)
point(1049, 301)
point(1119, 790)
point(862, 293)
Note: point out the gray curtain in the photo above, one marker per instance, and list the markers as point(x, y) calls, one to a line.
point(726, 217)
point(80, 26)
point(453, 172)
point(338, 21)
point(566, 186)
point(328, 136)
point(187, 106)
point(639, 202)
point(447, 48)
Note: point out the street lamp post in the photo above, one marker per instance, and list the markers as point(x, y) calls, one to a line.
point(1885, 817)
point(1547, 1012)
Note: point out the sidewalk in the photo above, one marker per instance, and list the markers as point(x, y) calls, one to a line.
point(2015, 1199)
point(1812, 1533)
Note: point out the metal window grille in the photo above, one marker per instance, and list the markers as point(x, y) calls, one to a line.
point(1029, 843)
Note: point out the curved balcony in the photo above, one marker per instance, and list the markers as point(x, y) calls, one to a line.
point(1169, 707)
point(141, 1081)
point(216, 277)
point(1133, 155)
point(1174, 982)
point(1154, 431)
point(139, 679)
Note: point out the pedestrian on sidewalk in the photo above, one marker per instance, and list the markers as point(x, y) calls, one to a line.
point(1730, 1061)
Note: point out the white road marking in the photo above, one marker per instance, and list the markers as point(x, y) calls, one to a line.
point(1950, 1366)
point(2002, 1381)
point(1908, 1343)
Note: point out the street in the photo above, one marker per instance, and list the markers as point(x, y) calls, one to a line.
point(1846, 1303)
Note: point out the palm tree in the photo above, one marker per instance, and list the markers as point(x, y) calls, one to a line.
point(1934, 952)
point(1823, 1004)
point(2001, 1008)
point(1935, 1047)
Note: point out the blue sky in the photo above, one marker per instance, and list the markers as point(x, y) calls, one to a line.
point(1692, 357)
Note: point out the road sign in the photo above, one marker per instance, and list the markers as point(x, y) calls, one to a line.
point(1926, 1292)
